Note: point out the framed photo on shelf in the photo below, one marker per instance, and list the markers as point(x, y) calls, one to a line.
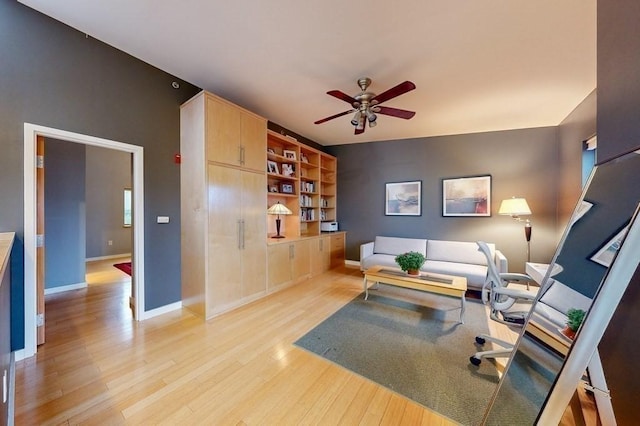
point(467, 196)
point(303, 158)
point(607, 252)
point(288, 170)
point(272, 167)
point(291, 155)
point(403, 198)
point(286, 188)
point(273, 188)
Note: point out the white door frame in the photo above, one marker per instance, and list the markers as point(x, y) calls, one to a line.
point(31, 131)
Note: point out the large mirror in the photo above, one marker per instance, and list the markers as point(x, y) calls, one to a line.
point(594, 262)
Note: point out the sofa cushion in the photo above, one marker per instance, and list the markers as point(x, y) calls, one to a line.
point(378, 259)
point(457, 251)
point(475, 274)
point(562, 298)
point(396, 246)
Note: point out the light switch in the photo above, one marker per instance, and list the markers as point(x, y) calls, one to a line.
point(163, 219)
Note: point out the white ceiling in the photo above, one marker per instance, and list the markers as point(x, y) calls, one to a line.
point(478, 65)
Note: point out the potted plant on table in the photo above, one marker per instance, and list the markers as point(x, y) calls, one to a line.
point(574, 319)
point(411, 262)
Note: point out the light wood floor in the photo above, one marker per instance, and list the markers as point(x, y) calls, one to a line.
point(100, 367)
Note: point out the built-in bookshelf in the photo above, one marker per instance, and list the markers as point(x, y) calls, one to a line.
point(303, 179)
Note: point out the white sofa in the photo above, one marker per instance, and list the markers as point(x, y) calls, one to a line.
point(551, 310)
point(459, 258)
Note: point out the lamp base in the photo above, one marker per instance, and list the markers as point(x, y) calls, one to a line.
point(278, 236)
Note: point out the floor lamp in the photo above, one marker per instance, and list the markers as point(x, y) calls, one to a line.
point(278, 209)
point(516, 207)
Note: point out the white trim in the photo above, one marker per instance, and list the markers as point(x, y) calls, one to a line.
point(31, 131)
point(352, 263)
point(62, 288)
point(111, 256)
point(162, 310)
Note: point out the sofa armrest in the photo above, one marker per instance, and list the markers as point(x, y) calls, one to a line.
point(501, 262)
point(366, 250)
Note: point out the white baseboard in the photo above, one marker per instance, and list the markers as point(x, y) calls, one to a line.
point(62, 288)
point(352, 262)
point(161, 310)
point(111, 256)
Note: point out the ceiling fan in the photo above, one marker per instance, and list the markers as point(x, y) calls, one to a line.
point(367, 104)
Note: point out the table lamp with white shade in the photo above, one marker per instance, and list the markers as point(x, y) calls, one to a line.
point(278, 209)
point(516, 207)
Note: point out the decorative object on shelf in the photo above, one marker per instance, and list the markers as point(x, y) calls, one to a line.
point(467, 196)
point(303, 158)
point(272, 167)
point(288, 170)
point(411, 262)
point(291, 155)
point(271, 151)
point(286, 188)
point(608, 252)
point(516, 207)
point(278, 209)
point(574, 319)
point(273, 188)
point(367, 104)
point(403, 198)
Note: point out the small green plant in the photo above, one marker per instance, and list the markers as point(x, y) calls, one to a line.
point(574, 318)
point(410, 261)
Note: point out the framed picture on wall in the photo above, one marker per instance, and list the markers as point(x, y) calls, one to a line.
point(466, 196)
point(403, 198)
point(607, 252)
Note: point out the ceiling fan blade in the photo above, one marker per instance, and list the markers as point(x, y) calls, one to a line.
point(358, 130)
point(342, 96)
point(333, 116)
point(398, 90)
point(395, 112)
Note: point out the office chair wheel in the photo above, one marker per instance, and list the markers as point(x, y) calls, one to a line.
point(480, 341)
point(474, 360)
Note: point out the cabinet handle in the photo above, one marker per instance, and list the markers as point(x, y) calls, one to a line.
point(291, 252)
point(239, 234)
point(242, 227)
point(321, 245)
point(241, 154)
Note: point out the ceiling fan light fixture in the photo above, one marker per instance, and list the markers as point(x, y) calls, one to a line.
point(373, 123)
point(356, 118)
point(360, 125)
point(371, 117)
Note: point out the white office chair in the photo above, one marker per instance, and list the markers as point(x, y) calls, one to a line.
point(508, 306)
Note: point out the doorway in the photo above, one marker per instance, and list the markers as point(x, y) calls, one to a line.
point(31, 133)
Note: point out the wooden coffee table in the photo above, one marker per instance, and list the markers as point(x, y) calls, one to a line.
point(447, 285)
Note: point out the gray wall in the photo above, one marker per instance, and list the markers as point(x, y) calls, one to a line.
point(521, 162)
point(64, 213)
point(108, 174)
point(618, 132)
point(54, 76)
point(579, 126)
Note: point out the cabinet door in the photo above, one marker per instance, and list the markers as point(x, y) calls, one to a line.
point(223, 132)
point(337, 250)
point(301, 259)
point(279, 261)
point(254, 142)
point(320, 255)
point(224, 261)
point(254, 251)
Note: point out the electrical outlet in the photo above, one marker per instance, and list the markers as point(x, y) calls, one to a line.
point(110, 242)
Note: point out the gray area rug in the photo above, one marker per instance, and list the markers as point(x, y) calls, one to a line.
point(417, 350)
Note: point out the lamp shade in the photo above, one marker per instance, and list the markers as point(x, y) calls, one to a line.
point(514, 207)
point(279, 209)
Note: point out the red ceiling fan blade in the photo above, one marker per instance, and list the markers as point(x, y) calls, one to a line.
point(359, 131)
point(398, 90)
point(342, 96)
point(333, 116)
point(395, 112)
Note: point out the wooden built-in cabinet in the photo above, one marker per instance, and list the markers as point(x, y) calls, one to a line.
point(223, 198)
point(228, 257)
